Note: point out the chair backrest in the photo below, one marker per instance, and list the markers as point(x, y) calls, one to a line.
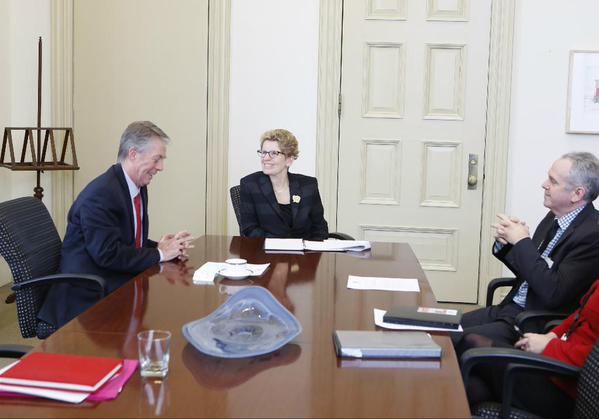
point(587, 397)
point(236, 201)
point(31, 246)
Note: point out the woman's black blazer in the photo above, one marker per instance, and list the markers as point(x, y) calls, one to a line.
point(262, 217)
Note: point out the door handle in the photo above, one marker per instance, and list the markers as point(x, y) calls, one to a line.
point(472, 171)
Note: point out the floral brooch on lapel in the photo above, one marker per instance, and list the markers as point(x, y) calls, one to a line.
point(296, 199)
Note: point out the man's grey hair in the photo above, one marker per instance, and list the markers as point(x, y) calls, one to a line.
point(584, 172)
point(139, 135)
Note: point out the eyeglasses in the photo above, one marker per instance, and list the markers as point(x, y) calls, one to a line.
point(272, 154)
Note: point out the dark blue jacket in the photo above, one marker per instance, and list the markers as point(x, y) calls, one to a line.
point(99, 240)
point(262, 217)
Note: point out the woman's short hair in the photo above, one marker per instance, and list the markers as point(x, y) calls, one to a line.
point(287, 141)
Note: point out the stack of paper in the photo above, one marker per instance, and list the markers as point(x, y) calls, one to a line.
point(337, 245)
point(69, 378)
point(284, 245)
point(299, 245)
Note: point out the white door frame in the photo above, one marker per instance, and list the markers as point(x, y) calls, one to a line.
point(219, 16)
point(497, 125)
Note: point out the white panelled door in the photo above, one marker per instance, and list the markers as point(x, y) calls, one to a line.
point(412, 132)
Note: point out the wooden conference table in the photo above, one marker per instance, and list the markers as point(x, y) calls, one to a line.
point(302, 379)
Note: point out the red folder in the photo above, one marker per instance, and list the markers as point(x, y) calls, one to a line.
point(69, 372)
point(109, 391)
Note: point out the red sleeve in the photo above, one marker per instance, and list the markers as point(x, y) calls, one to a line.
point(570, 353)
point(592, 305)
point(565, 325)
point(575, 350)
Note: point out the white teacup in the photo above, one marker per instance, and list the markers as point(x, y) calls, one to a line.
point(236, 264)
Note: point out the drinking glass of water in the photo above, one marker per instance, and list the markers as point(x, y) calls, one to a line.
point(154, 352)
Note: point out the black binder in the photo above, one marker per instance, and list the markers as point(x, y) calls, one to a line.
point(424, 316)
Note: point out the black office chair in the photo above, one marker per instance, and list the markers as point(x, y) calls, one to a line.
point(587, 392)
point(31, 246)
point(236, 201)
point(13, 351)
point(529, 320)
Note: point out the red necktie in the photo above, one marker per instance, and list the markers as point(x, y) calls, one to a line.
point(137, 204)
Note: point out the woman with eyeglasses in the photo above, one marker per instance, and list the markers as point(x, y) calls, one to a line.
point(276, 203)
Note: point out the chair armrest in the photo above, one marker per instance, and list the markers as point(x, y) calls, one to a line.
point(80, 280)
point(513, 369)
point(340, 236)
point(527, 318)
point(476, 356)
point(14, 351)
point(552, 324)
point(498, 283)
point(517, 361)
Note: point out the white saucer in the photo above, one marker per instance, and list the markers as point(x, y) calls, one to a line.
point(235, 273)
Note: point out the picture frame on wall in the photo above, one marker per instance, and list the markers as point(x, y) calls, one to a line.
point(582, 116)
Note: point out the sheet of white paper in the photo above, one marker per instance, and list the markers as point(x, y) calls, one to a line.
point(206, 273)
point(48, 393)
point(258, 269)
point(283, 244)
point(382, 284)
point(378, 320)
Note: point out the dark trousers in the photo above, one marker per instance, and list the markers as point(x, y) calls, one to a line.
point(496, 323)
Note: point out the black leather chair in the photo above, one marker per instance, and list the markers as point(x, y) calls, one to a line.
point(587, 397)
point(529, 320)
point(31, 246)
point(236, 201)
point(13, 351)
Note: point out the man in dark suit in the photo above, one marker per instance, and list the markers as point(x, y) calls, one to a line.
point(276, 203)
point(554, 268)
point(107, 231)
